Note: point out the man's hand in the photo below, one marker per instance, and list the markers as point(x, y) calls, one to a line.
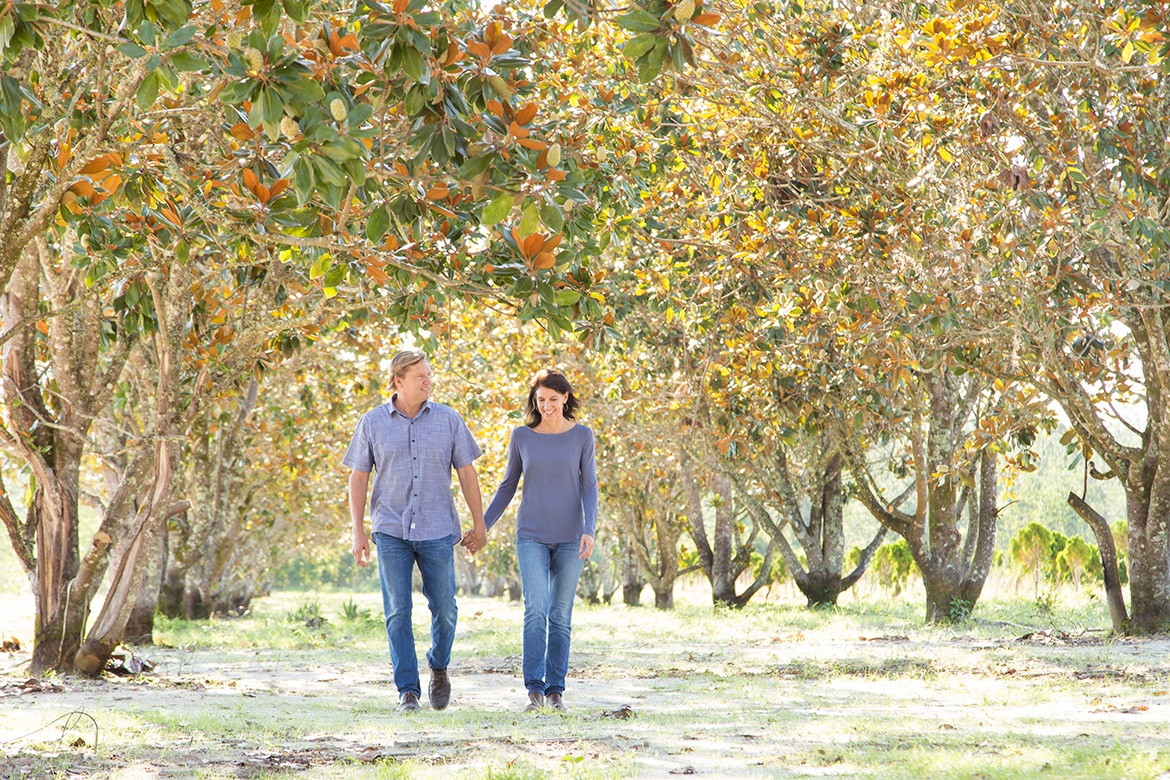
point(361, 548)
point(475, 539)
point(586, 546)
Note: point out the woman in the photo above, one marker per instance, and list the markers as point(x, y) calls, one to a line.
point(555, 527)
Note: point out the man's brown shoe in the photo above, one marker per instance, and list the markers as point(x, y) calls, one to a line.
point(408, 702)
point(535, 702)
point(554, 700)
point(440, 692)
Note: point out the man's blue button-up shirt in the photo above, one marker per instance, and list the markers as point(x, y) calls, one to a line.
point(412, 460)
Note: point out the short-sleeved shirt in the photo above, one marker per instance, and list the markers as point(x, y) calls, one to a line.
point(412, 460)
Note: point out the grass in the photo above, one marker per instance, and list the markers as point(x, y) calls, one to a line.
point(301, 687)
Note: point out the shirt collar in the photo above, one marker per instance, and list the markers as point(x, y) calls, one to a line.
point(426, 407)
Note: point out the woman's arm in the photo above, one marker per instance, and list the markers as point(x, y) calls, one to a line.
point(507, 488)
point(589, 489)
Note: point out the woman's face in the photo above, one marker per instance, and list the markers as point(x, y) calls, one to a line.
point(549, 403)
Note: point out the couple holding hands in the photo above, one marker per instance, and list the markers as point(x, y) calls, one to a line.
point(410, 445)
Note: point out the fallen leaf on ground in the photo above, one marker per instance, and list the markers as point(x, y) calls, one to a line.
point(686, 770)
point(368, 755)
point(790, 638)
point(624, 712)
point(884, 638)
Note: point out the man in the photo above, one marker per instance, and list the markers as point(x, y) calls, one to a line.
point(411, 444)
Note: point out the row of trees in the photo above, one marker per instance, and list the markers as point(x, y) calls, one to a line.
point(807, 251)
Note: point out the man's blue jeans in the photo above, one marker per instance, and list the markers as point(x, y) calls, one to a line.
point(436, 564)
point(549, 574)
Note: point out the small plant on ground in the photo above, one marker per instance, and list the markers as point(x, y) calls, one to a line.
point(1047, 602)
point(960, 610)
point(352, 612)
point(308, 613)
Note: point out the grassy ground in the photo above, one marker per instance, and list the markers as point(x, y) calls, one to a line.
point(771, 691)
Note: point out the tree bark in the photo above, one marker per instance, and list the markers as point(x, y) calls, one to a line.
point(1113, 594)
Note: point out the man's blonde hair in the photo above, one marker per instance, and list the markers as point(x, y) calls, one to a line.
point(401, 363)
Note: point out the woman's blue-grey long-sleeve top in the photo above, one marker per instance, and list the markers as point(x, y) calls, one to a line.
point(558, 502)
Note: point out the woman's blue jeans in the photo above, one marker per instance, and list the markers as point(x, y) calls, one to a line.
point(436, 564)
point(549, 574)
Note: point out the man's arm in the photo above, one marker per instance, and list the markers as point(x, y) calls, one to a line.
point(359, 486)
point(476, 538)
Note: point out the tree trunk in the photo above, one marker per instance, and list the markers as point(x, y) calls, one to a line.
point(632, 580)
point(60, 607)
point(632, 593)
point(1149, 570)
point(664, 599)
point(1113, 594)
point(140, 625)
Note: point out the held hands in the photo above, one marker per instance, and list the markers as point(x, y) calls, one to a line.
point(361, 549)
point(475, 539)
point(586, 546)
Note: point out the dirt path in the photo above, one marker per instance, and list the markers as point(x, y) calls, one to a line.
point(652, 696)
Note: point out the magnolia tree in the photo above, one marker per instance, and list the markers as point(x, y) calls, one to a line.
point(207, 185)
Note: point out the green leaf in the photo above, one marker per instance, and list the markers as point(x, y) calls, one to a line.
point(132, 50)
point(148, 91)
point(320, 266)
point(639, 45)
point(550, 215)
point(377, 224)
point(412, 63)
point(146, 33)
point(305, 90)
point(328, 171)
point(273, 107)
point(566, 297)
point(187, 62)
point(179, 37)
point(639, 21)
point(415, 101)
point(296, 10)
point(474, 166)
point(497, 210)
point(529, 221)
point(1077, 176)
point(303, 180)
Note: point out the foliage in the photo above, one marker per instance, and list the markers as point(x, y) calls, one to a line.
point(308, 613)
point(1031, 551)
point(893, 565)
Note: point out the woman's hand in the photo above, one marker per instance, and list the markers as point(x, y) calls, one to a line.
point(586, 546)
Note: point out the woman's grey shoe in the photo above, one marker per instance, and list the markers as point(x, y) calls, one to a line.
point(554, 700)
point(535, 702)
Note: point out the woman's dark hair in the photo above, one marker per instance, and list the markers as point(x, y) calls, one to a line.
point(554, 380)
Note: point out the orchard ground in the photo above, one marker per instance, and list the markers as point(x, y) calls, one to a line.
point(1024, 689)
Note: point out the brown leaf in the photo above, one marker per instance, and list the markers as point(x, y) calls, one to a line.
point(532, 244)
point(481, 50)
point(543, 261)
point(250, 180)
point(526, 114)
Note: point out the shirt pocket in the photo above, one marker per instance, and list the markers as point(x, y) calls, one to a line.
point(433, 449)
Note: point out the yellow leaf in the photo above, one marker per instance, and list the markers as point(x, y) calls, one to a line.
point(1127, 52)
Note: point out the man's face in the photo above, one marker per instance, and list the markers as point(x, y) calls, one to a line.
point(414, 386)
